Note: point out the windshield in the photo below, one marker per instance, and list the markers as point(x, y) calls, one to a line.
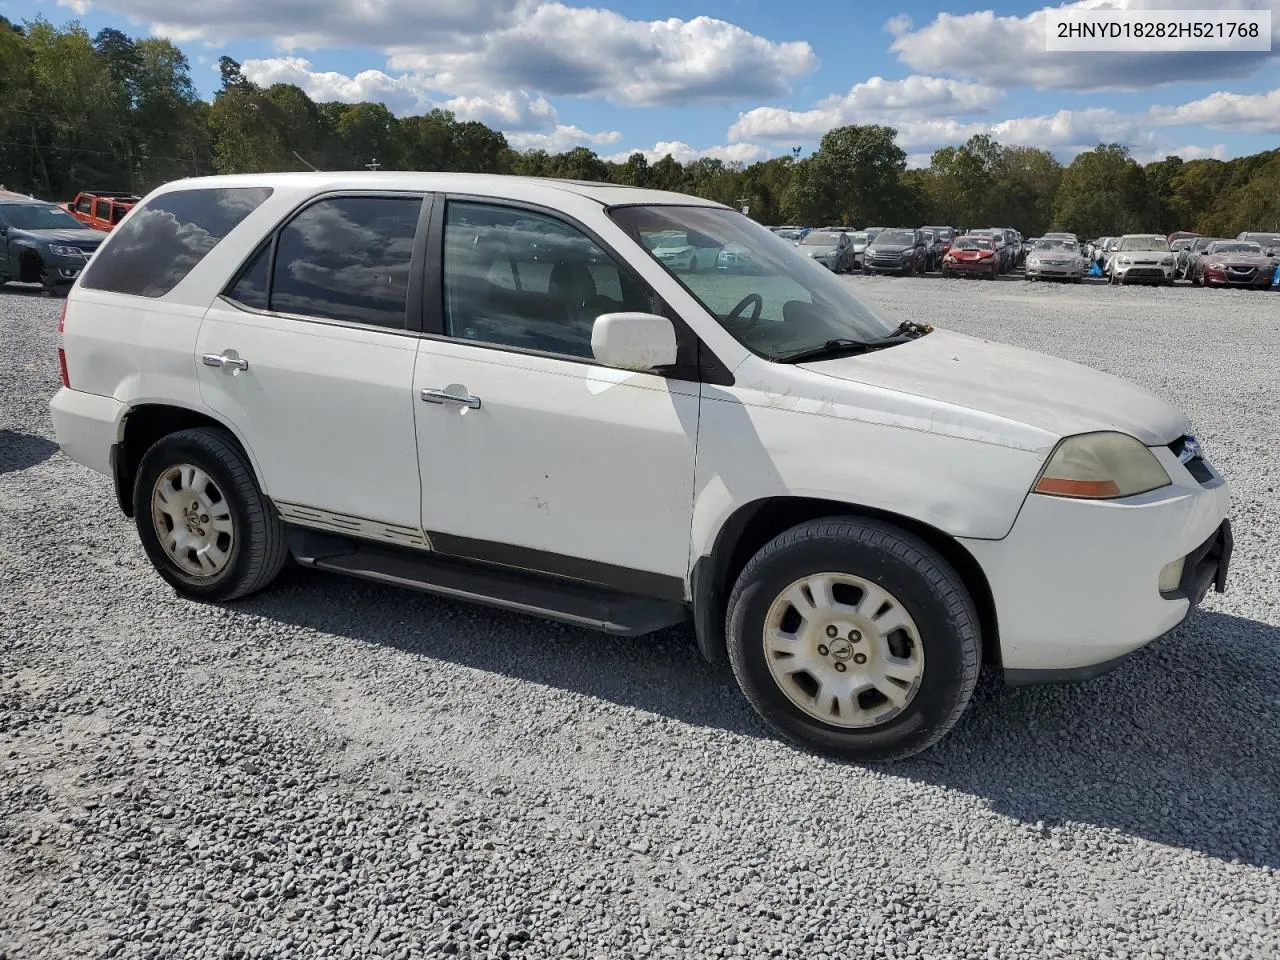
point(1067, 246)
point(780, 303)
point(1236, 248)
point(1265, 238)
point(858, 237)
point(972, 243)
point(1144, 243)
point(35, 216)
point(820, 240)
point(902, 238)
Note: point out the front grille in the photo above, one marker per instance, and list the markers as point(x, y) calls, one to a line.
point(1241, 273)
point(1153, 272)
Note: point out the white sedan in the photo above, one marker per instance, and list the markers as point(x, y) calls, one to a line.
point(503, 390)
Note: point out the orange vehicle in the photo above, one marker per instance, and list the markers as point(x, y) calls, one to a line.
point(100, 210)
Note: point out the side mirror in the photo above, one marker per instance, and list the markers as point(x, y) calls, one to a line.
point(642, 342)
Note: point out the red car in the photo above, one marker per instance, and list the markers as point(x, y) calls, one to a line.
point(1234, 263)
point(101, 211)
point(972, 256)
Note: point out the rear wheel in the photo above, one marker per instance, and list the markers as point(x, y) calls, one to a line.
point(854, 638)
point(206, 527)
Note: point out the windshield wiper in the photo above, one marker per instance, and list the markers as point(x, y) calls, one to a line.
point(906, 331)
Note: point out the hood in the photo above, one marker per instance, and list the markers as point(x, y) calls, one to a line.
point(970, 254)
point(1243, 259)
point(890, 247)
point(816, 251)
point(1058, 396)
point(1142, 256)
point(76, 237)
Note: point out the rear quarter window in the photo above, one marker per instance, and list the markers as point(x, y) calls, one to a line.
point(167, 236)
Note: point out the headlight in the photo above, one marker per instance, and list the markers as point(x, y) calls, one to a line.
point(1167, 262)
point(58, 251)
point(1124, 261)
point(1101, 466)
point(1215, 266)
point(870, 251)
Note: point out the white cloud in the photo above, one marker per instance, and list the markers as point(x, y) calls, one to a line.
point(483, 47)
point(683, 153)
point(513, 110)
point(1010, 49)
point(876, 99)
point(919, 161)
point(528, 121)
point(575, 51)
point(314, 24)
point(1249, 113)
point(563, 137)
point(400, 94)
point(1189, 152)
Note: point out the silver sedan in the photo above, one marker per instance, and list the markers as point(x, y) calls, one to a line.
point(1055, 258)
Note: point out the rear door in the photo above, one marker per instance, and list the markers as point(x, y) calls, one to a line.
point(310, 353)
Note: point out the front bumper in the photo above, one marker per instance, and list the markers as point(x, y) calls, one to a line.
point(1040, 271)
point(1258, 280)
point(65, 269)
point(1149, 273)
point(886, 266)
point(1076, 583)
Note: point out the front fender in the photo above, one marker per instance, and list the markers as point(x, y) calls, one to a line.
point(750, 450)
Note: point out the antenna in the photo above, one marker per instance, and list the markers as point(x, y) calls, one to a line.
point(372, 164)
point(305, 162)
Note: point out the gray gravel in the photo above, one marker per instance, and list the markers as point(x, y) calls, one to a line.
point(334, 769)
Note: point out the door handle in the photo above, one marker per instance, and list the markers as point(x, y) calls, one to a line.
point(444, 396)
point(228, 360)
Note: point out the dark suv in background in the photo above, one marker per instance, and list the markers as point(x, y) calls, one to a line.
point(42, 243)
point(896, 250)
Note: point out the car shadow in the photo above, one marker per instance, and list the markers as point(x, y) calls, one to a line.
point(1177, 746)
point(18, 451)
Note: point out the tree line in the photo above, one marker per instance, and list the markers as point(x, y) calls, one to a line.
point(112, 112)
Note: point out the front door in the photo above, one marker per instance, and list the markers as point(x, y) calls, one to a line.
point(310, 360)
point(532, 454)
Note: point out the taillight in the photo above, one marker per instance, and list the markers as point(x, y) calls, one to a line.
point(62, 354)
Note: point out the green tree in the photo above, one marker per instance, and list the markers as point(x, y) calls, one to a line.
point(854, 176)
point(1103, 192)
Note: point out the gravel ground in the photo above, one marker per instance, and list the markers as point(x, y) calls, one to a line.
point(334, 769)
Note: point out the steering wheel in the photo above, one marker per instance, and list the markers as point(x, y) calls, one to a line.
point(753, 300)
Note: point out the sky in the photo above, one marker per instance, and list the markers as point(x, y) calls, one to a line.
point(735, 79)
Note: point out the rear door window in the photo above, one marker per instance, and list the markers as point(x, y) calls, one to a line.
point(167, 236)
point(347, 258)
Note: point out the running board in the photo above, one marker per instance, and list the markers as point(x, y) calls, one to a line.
point(578, 604)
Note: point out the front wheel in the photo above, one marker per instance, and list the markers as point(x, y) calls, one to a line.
point(204, 524)
point(854, 638)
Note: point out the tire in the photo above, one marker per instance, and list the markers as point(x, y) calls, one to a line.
point(237, 560)
point(943, 637)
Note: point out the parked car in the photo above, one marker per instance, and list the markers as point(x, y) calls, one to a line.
point(1193, 252)
point(1000, 243)
point(831, 249)
point(932, 249)
point(896, 250)
point(973, 256)
point(1181, 235)
point(41, 243)
point(100, 210)
point(736, 258)
point(761, 457)
point(1056, 259)
point(1270, 242)
point(860, 239)
point(1142, 257)
point(945, 235)
point(1234, 263)
point(678, 253)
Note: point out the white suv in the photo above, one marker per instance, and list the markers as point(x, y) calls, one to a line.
point(491, 388)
